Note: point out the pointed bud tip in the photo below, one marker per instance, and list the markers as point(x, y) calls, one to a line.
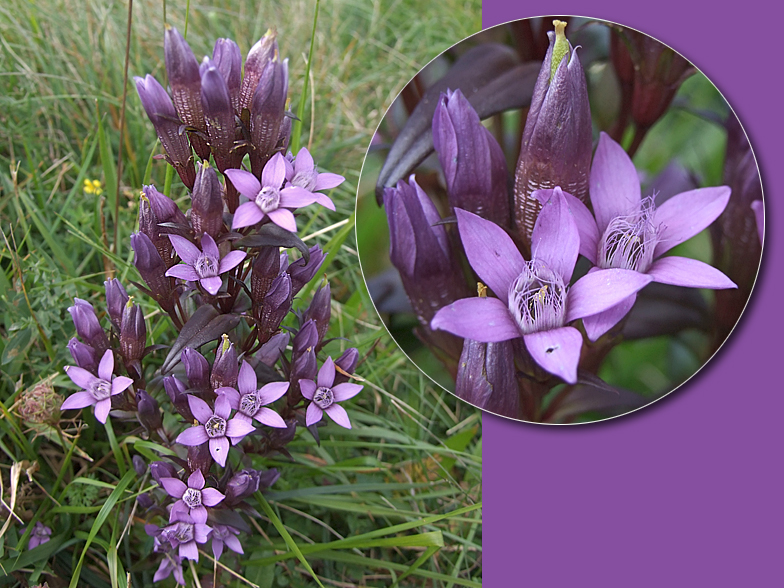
point(560, 48)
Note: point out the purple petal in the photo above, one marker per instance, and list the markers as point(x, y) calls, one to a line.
point(490, 251)
point(106, 367)
point(303, 161)
point(246, 380)
point(222, 407)
point(338, 414)
point(324, 201)
point(345, 391)
point(217, 547)
point(200, 409)
point(187, 251)
point(208, 246)
point(586, 224)
point(211, 285)
point(80, 376)
point(284, 219)
point(274, 172)
point(231, 394)
point(179, 512)
point(234, 544)
point(238, 429)
point(295, 197)
point(598, 324)
point(308, 388)
point(313, 414)
point(271, 392)
point(486, 320)
point(231, 260)
point(682, 271)
point(246, 215)
point(80, 400)
point(120, 384)
point(196, 480)
point(210, 497)
point(189, 550)
point(102, 408)
point(245, 182)
point(328, 181)
point(201, 532)
point(599, 290)
point(688, 213)
point(182, 271)
point(219, 449)
point(199, 514)
point(267, 416)
point(192, 436)
point(555, 240)
point(326, 375)
point(557, 351)
point(614, 184)
point(174, 487)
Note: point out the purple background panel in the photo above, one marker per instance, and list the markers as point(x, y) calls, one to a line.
point(689, 491)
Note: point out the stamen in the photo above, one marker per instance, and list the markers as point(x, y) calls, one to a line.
point(324, 397)
point(215, 427)
point(101, 390)
point(268, 199)
point(305, 179)
point(206, 266)
point(249, 404)
point(537, 299)
point(629, 241)
point(192, 497)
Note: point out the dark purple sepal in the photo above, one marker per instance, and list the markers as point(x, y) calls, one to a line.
point(116, 299)
point(197, 369)
point(218, 117)
point(258, 57)
point(319, 311)
point(83, 355)
point(225, 368)
point(302, 271)
point(207, 202)
point(228, 59)
point(148, 412)
point(486, 377)
point(176, 391)
point(277, 305)
point(152, 269)
point(267, 110)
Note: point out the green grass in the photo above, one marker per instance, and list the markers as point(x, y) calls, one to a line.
point(396, 500)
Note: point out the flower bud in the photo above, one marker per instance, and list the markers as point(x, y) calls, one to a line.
point(306, 339)
point(225, 368)
point(219, 117)
point(116, 299)
point(255, 63)
point(303, 367)
point(302, 272)
point(156, 208)
point(176, 391)
point(139, 465)
point(162, 469)
point(159, 108)
point(133, 335)
point(277, 305)
point(152, 269)
point(88, 327)
point(83, 355)
point(228, 59)
point(147, 410)
point(197, 369)
point(266, 267)
point(319, 311)
point(241, 485)
point(346, 362)
point(271, 351)
point(267, 110)
point(284, 137)
point(486, 377)
point(144, 500)
point(165, 209)
point(473, 163)
point(557, 142)
point(207, 203)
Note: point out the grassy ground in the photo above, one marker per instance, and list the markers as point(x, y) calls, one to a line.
point(415, 452)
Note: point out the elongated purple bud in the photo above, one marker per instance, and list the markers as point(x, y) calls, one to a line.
point(258, 58)
point(139, 465)
point(197, 369)
point(267, 110)
point(176, 391)
point(160, 109)
point(165, 209)
point(271, 351)
point(219, 117)
point(156, 208)
point(266, 267)
point(148, 412)
point(246, 482)
point(277, 305)
point(116, 299)
point(306, 339)
point(152, 269)
point(207, 203)
point(83, 355)
point(346, 362)
point(303, 367)
point(301, 272)
point(486, 377)
point(185, 81)
point(225, 368)
point(473, 163)
point(228, 59)
point(133, 336)
point(162, 469)
point(557, 142)
point(88, 327)
point(319, 311)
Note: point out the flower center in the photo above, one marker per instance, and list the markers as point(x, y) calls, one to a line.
point(268, 199)
point(537, 299)
point(192, 497)
point(215, 427)
point(628, 241)
point(249, 404)
point(184, 533)
point(324, 397)
point(100, 390)
point(206, 266)
point(305, 179)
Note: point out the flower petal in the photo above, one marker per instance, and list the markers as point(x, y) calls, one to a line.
point(303, 161)
point(486, 320)
point(208, 246)
point(313, 414)
point(187, 251)
point(686, 214)
point(182, 271)
point(328, 181)
point(199, 514)
point(174, 487)
point(219, 450)
point(267, 416)
point(555, 239)
point(271, 392)
point(210, 497)
point(120, 384)
point(599, 290)
point(338, 414)
point(217, 547)
point(490, 251)
point(557, 351)
point(284, 219)
point(78, 400)
point(345, 391)
point(211, 285)
point(245, 182)
point(583, 218)
point(598, 324)
point(682, 271)
point(246, 215)
point(274, 172)
point(231, 394)
point(192, 436)
point(614, 184)
point(201, 532)
point(200, 409)
point(295, 197)
point(324, 201)
point(237, 429)
point(189, 550)
point(231, 260)
point(80, 376)
point(308, 388)
point(234, 544)
point(222, 407)
point(102, 408)
point(196, 480)
point(106, 367)
point(246, 380)
point(326, 375)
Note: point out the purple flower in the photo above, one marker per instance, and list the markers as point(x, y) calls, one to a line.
point(250, 402)
point(184, 534)
point(96, 391)
point(630, 233)
point(205, 265)
point(192, 498)
point(225, 535)
point(215, 428)
point(533, 301)
point(303, 174)
point(324, 395)
point(40, 535)
point(267, 198)
point(171, 564)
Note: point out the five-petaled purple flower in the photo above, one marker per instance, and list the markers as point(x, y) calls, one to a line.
point(205, 265)
point(96, 391)
point(39, 535)
point(533, 301)
point(269, 198)
point(215, 428)
point(184, 534)
point(630, 232)
point(324, 396)
point(303, 174)
point(250, 402)
point(225, 535)
point(193, 498)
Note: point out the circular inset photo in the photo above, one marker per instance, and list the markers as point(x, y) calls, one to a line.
point(560, 220)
